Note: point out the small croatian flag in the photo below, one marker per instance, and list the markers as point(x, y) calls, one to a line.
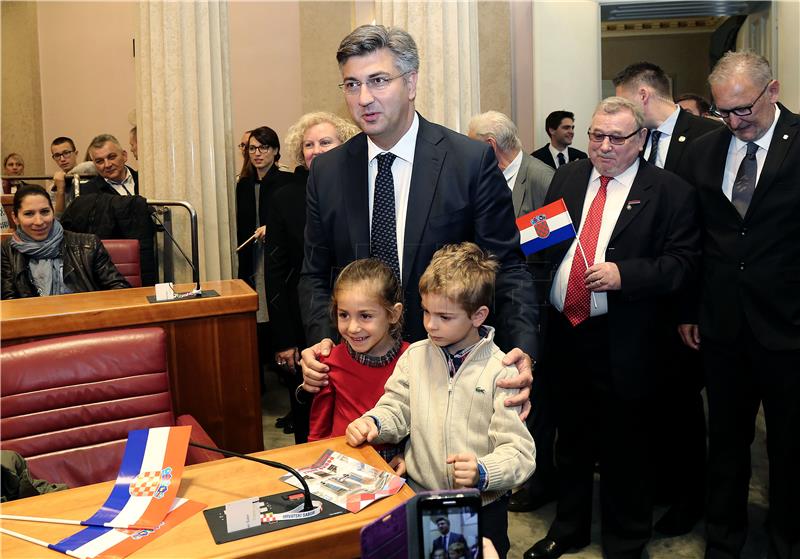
point(547, 226)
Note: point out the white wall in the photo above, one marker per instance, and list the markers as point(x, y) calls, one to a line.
point(787, 68)
point(566, 63)
point(87, 71)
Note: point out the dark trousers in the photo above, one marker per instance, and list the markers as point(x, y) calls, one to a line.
point(494, 521)
point(740, 375)
point(593, 424)
point(541, 425)
point(679, 436)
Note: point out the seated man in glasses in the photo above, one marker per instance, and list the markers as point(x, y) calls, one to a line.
point(608, 326)
point(65, 155)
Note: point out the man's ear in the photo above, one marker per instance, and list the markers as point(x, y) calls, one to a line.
point(479, 316)
point(411, 83)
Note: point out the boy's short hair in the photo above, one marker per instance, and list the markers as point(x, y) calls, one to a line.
point(464, 273)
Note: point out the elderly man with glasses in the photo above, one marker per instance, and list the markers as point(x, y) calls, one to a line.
point(608, 325)
point(747, 324)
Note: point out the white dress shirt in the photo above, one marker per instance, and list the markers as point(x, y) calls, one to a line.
point(554, 152)
point(616, 197)
point(667, 128)
point(736, 152)
point(511, 172)
point(401, 175)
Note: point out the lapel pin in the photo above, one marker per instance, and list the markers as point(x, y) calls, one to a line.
point(786, 136)
point(681, 138)
point(632, 203)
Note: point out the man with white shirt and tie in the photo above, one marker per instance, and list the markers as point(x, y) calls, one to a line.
point(560, 127)
point(680, 476)
point(671, 130)
point(398, 192)
point(115, 177)
point(747, 323)
point(606, 331)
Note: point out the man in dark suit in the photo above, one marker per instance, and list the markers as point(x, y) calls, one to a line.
point(447, 537)
point(114, 176)
point(680, 476)
point(607, 328)
point(398, 192)
point(748, 180)
point(560, 127)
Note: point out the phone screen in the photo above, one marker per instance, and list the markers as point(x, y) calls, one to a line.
point(449, 529)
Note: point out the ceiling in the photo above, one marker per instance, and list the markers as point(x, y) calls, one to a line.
point(645, 10)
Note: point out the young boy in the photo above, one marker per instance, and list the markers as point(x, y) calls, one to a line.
point(443, 394)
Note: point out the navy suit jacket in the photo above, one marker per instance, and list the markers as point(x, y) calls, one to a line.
point(688, 128)
point(543, 154)
point(457, 194)
point(655, 244)
point(751, 265)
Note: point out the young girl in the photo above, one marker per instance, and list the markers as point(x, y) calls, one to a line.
point(368, 312)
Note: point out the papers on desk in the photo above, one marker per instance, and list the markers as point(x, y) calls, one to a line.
point(346, 481)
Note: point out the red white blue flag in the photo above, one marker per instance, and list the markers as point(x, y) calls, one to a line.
point(96, 541)
point(547, 226)
point(148, 479)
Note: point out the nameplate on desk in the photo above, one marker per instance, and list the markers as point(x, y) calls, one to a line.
point(207, 293)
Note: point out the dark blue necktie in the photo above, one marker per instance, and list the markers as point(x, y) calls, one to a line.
point(745, 183)
point(561, 160)
point(383, 238)
point(655, 135)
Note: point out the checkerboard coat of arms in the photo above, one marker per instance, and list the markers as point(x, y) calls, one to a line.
point(151, 484)
point(540, 226)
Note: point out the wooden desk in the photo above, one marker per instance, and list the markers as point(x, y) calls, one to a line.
point(212, 348)
point(213, 483)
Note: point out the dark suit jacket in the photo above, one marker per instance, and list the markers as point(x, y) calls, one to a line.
point(457, 194)
point(688, 128)
point(98, 184)
point(531, 185)
point(751, 265)
point(286, 221)
point(438, 543)
point(655, 245)
point(543, 154)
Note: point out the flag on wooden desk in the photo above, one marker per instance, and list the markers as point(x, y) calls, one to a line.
point(547, 226)
point(148, 479)
point(96, 541)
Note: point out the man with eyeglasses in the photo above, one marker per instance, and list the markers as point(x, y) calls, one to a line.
point(680, 476)
point(63, 152)
point(607, 327)
point(747, 323)
point(400, 191)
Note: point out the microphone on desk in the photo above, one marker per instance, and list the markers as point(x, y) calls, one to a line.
point(197, 291)
point(307, 504)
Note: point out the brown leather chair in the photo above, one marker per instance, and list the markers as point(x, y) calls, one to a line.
point(68, 403)
point(124, 254)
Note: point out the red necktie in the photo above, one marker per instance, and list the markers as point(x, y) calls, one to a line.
point(576, 302)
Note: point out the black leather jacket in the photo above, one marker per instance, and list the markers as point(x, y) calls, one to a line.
point(87, 267)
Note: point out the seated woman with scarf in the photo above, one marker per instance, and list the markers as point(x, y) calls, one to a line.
point(41, 258)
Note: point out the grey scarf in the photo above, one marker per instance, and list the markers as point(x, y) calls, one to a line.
point(44, 259)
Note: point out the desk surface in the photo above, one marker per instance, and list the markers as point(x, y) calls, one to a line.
point(65, 314)
point(213, 483)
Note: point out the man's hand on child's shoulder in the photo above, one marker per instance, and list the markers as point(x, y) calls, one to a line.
point(523, 381)
point(465, 470)
point(361, 430)
point(315, 373)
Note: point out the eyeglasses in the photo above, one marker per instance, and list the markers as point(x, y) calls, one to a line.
point(738, 111)
point(259, 149)
point(65, 153)
point(378, 83)
point(243, 146)
point(616, 140)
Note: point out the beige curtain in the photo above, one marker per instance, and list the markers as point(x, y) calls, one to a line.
point(184, 119)
point(446, 32)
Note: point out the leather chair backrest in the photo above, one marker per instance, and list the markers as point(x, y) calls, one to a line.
point(124, 254)
point(68, 403)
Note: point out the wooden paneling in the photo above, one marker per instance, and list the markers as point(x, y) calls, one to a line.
point(212, 347)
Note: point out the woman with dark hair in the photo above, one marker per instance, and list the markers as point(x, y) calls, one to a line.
point(41, 258)
point(259, 180)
